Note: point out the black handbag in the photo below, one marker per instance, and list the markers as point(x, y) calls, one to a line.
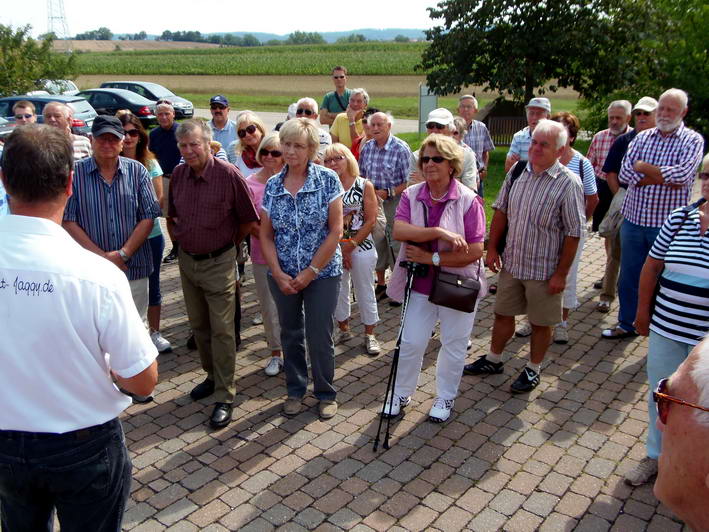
point(451, 290)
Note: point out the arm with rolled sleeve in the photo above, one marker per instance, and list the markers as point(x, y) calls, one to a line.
point(683, 172)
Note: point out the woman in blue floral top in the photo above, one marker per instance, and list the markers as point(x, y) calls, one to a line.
point(301, 226)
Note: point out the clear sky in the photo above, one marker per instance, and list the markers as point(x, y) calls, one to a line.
point(274, 16)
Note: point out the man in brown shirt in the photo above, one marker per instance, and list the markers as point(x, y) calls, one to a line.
point(209, 210)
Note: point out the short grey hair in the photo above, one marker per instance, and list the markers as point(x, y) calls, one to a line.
point(164, 105)
point(194, 125)
point(700, 376)
point(67, 111)
point(308, 101)
point(361, 91)
point(469, 97)
point(460, 125)
point(546, 126)
point(678, 94)
point(387, 116)
point(623, 104)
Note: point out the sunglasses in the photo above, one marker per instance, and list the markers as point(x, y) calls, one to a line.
point(132, 132)
point(338, 77)
point(26, 116)
point(217, 106)
point(274, 153)
point(304, 111)
point(434, 125)
point(642, 113)
point(663, 400)
point(436, 159)
point(248, 129)
point(334, 159)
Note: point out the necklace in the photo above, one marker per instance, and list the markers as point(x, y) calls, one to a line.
point(435, 198)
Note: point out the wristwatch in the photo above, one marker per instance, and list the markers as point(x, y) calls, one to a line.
point(123, 255)
point(436, 259)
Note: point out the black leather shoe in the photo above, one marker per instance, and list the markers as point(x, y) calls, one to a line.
point(170, 257)
point(221, 415)
point(202, 390)
point(191, 343)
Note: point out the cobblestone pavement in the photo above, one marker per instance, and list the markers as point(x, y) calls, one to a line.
point(550, 460)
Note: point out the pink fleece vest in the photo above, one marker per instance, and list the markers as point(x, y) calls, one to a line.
point(451, 220)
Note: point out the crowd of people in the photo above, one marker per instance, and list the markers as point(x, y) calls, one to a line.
point(324, 216)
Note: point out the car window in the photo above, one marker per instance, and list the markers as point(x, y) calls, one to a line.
point(138, 90)
point(6, 108)
point(136, 99)
point(159, 91)
point(81, 106)
point(102, 99)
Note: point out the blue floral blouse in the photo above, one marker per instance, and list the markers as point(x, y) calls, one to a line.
point(300, 224)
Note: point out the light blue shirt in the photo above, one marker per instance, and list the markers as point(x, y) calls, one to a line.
point(521, 141)
point(224, 136)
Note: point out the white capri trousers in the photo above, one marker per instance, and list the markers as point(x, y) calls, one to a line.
point(421, 318)
point(139, 291)
point(362, 276)
point(271, 325)
point(569, 299)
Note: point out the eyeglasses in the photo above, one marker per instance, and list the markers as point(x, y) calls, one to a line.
point(334, 159)
point(248, 129)
point(436, 159)
point(304, 111)
point(26, 116)
point(217, 106)
point(434, 125)
point(274, 153)
point(338, 77)
point(663, 400)
point(132, 132)
point(642, 113)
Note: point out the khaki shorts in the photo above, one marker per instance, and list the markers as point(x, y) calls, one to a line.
point(515, 297)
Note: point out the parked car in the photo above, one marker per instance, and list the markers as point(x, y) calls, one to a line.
point(153, 91)
point(84, 114)
point(55, 86)
point(109, 101)
point(6, 128)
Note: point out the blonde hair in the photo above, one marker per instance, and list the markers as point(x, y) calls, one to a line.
point(448, 148)
point(267, 142)
point(248, 116)
point(341, 149)
point(297, 128)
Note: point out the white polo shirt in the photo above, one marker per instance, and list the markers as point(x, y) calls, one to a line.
point(67, 319)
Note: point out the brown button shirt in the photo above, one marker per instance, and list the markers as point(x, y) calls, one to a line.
point(209, 208)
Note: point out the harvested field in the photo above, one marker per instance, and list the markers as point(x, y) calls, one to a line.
point(110, 46)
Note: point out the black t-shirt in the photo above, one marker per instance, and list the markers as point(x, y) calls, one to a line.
point(614, 159)
point(163, 144)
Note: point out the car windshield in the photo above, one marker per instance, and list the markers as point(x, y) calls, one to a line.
point(135, 98)
point(81, 106)
point(158, 90)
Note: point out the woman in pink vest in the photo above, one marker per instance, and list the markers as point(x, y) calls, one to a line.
point(440, 223)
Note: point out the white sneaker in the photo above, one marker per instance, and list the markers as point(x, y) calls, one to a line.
point(441, 410)
point(371, 344)
point(392, 408)
point(525, 329)
point(561, 334)
point(274, 366)
point(162, 345)
point(340, 336)
point(642, 473)
point(258, 320)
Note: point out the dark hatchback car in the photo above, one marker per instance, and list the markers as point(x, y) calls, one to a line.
point(84, 114)
point(109, 101)
point(153, 91)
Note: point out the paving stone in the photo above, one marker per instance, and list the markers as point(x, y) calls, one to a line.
point(488, 521)
point(523, 521)
point(507, 502)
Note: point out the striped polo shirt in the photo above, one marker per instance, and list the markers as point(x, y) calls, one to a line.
point(682, 304)
point(108, 213)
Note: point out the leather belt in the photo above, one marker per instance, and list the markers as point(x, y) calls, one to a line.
point(211, 255)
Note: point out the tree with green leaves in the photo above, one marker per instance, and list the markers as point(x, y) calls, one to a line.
point(101, 34)
point(304, 37)
point(352, 38)
point(517, 47)
point(24, 61)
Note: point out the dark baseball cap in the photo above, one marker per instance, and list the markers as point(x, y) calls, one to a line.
point(107, 124)
point(219, 99)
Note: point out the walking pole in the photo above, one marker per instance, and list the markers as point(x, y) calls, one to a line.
point(391, 381)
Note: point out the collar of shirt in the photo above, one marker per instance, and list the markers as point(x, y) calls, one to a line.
point(387, 144)
point(424, 193)
point(93, 169)
point(32, 224)
point(677, 132)
point(206, 171)
point(309, 186)
point(553, 171)
point(227, 125)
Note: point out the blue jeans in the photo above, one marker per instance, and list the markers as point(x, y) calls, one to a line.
point(663, 358)
point(635, 244)
point(84, 474)
point(157, 245)
point(308, 317)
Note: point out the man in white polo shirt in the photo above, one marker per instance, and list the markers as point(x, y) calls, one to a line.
point(69, 328)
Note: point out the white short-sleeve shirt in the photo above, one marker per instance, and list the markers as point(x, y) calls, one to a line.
point(67, 319)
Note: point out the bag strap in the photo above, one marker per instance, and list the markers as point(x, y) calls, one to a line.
point(339, 100)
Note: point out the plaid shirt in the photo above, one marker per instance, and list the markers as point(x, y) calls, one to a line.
point(209, 208)
point(678, 155)
point(388, 166)
point(108, 214)
point(598, 150)
point(541, 211)
point(478, 138)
